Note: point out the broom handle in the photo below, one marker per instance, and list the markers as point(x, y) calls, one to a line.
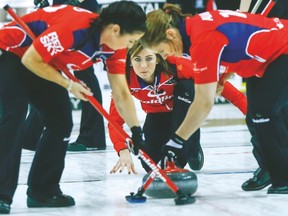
point(144, 156)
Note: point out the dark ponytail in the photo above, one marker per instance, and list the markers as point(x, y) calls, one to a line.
point(127, 14)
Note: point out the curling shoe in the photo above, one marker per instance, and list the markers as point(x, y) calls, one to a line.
point(196, 163)
point(260, 180)
point(278, 190)
point(60, 200)
point(81, 147)
point(4, 207)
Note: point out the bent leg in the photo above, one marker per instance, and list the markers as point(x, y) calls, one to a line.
point(53, 104)
point(156, 131)
point(92, 130)
point(192, 151)
point(14, 104)
point(268, 105)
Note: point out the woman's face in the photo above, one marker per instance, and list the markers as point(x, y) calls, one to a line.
point(144, 64)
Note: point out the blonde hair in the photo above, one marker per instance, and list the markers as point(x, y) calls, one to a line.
point(158, 21)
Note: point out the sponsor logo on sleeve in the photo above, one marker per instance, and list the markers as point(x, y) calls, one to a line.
point(52, 43)
point(197, 69)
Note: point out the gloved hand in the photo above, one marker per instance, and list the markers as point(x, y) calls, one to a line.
point(41, 3)
point(45, 3)
point(172, 150)
point(137, 139)
point(73, 2)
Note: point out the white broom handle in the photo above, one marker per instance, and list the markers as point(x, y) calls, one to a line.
point(256, 6)
point(245, 5)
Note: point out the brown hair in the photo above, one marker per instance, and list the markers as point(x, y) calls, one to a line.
point(158, 21)
point(138, 46)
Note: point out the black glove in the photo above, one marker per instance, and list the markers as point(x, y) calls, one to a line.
point(137, 139)
point(45, 3)
point(172, 151)
point(73, 2)
point(41, 3)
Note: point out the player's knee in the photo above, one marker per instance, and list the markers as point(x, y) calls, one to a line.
point(278, 118)
point(259, 118)
point(184, 91)
point(59, 128)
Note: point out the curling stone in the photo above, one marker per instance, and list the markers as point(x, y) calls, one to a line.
point(183, 178)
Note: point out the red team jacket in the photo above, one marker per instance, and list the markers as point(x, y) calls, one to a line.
point(159, 97)
point(154, 98)
point(231, 41)
point(59, 30)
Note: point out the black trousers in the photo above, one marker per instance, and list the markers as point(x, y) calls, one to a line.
point(92, 130)
point(280, 10)
point(18, 87)
point(159, 127)
point(268, 110)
